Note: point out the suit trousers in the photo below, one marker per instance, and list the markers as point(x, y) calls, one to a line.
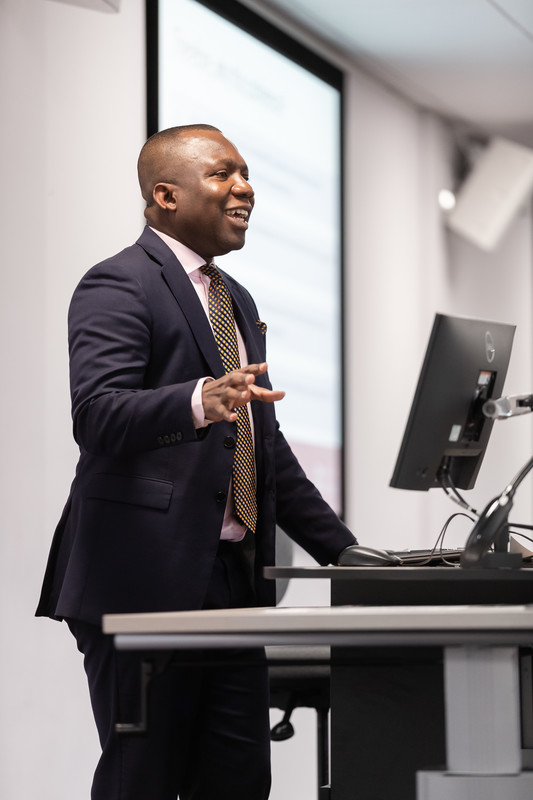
point(208, 734)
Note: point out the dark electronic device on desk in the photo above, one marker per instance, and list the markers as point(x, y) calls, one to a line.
point(448, 430)
point(359, 555)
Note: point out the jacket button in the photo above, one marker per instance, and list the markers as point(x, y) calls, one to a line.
point(220, 497)
point(229, 442)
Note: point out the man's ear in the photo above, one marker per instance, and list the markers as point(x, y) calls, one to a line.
point(164, 195)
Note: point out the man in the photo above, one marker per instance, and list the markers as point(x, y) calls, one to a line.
point(156, 520)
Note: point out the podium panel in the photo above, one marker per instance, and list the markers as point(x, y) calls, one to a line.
point(388, 650)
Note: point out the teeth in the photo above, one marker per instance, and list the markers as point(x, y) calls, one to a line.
point(238, 212)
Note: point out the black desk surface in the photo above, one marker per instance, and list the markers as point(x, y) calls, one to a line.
point(418, 585)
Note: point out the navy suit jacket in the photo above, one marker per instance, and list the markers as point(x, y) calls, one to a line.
point(141, 527)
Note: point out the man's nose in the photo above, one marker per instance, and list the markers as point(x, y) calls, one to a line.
point(243, 187)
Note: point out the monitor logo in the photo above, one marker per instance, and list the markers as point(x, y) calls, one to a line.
point(490, 350)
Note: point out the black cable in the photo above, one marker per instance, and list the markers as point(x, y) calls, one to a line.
point(444, 530)
point(451, 490)
point(440, 539)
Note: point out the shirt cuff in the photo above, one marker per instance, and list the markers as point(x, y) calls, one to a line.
point(197, 407)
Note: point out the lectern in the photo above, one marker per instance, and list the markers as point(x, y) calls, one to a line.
point(392, 703)
point(392, 700)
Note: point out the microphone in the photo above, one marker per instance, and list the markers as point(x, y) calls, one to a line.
point(511, 406)
point(492, 529)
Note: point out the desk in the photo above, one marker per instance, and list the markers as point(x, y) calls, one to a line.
point(405, 682)
point(411, 586)
point(480, 650)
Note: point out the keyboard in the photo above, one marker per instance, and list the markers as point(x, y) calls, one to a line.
point(416, 558)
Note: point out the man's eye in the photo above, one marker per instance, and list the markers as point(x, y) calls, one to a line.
point(222, 173)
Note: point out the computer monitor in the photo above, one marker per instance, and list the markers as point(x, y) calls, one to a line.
point(447, 434)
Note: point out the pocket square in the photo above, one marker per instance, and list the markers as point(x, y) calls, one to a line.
point(262, 326)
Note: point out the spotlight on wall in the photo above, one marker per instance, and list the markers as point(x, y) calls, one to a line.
point(447, 199)
point(493, 192)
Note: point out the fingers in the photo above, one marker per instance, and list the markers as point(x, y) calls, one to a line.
point(254, 369)
point(265, 395)
point(221, 397)
point(258, 392)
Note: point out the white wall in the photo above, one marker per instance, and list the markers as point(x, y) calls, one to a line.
point(403, 266)
point(72, 97)
point(21, 402)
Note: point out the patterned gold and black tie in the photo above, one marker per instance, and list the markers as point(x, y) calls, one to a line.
point(223, 324)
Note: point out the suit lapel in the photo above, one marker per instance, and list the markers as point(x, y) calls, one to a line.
point(180, 285)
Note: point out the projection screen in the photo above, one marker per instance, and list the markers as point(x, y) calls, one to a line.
point(281, 105)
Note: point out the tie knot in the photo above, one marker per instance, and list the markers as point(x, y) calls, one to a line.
point(212, 272)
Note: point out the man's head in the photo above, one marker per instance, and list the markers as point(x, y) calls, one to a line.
point(195, 184)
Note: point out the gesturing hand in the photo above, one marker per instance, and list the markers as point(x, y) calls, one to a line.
point(235, 389)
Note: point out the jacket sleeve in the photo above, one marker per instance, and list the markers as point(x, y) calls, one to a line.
point(114, 411)
point(302, 512)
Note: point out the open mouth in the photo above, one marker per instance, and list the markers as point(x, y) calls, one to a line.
point(239, 215)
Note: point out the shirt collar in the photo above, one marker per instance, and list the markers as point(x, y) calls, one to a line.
point(189, 260)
